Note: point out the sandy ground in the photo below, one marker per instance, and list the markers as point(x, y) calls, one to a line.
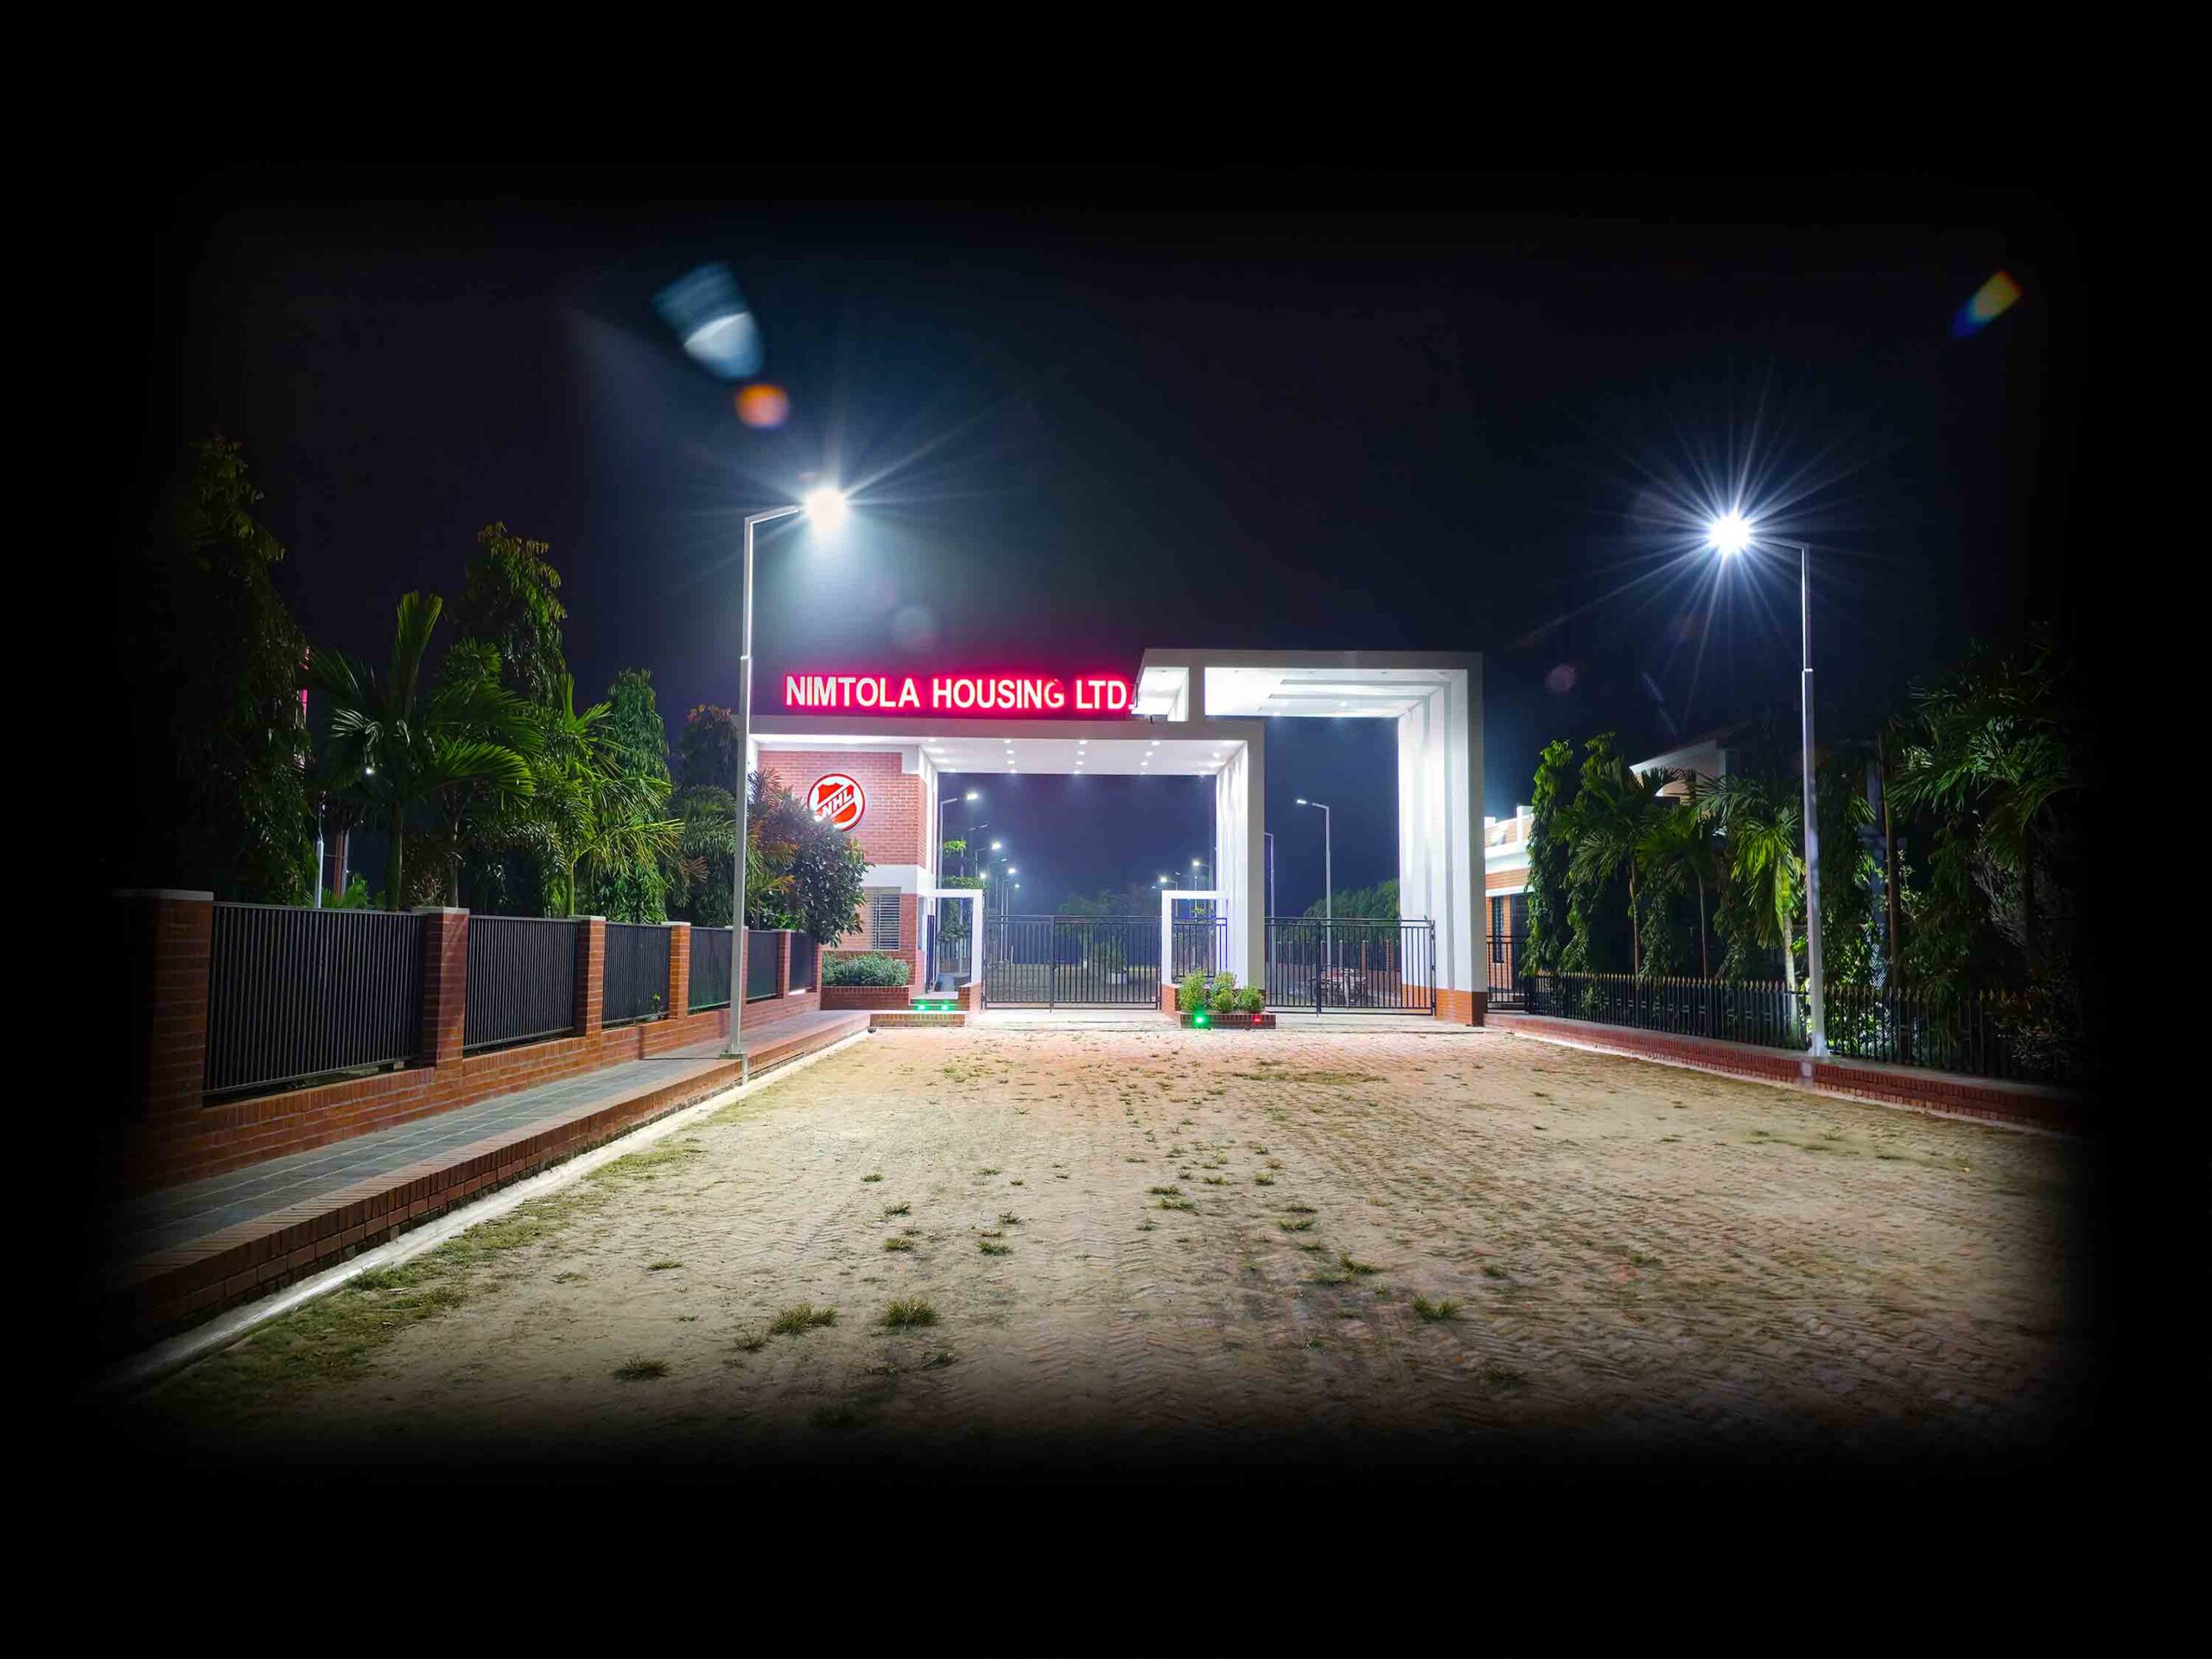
point(1606, 1247)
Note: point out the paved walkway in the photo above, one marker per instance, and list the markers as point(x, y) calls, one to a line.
point(176, 1215)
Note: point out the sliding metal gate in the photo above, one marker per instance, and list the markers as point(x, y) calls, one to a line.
point(1354, 966)
point(1072, 961)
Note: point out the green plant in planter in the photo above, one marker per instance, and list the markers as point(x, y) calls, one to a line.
point(1191, 994)
point(1251, 1000)
point(870, 969)
point(1224, 999)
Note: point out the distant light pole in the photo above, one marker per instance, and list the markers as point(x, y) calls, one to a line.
point(1328, 884)
point(1328, 867)
point(826, 507)
point(1729, 535)
point(1269, 836)
point(971, 796)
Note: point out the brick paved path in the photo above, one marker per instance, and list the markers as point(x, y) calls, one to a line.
point(1614, 1248)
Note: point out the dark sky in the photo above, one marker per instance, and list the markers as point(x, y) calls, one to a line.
point(1090, 412)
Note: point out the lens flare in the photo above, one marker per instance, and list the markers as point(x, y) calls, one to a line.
point(1990, 301)
point(762, 405)
point(707, 314)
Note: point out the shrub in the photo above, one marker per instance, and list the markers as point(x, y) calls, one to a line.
point(1251, 1000)
point(1191, 994)
point(1224, 998)
point(871, 969)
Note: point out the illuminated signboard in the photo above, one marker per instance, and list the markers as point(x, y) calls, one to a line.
point(958, 694)
point(838, 798)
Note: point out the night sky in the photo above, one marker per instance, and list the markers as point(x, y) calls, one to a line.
point(1088, 413)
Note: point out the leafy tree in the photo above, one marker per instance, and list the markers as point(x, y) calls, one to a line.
point(709, 750)
point(507, 602)
point(1550, 850)
point(599, 816)
point(1675, 852)
point(1766, 869)
point(214, 661)
point(810, 875)
point(635, 862)
point(1378, 903)
point(397, 748)
point(1613, 809)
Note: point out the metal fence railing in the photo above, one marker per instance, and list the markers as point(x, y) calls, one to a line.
point(1075, 961)
point(803, 961)
point(522, 980)
point(294, 994)
point(1358, 965)
point(1197, 945)
point(710, 953)
point(1977, 1033)
point(761, 947)
point(634, 985)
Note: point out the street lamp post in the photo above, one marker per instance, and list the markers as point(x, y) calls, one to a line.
point(1731, 534)
point(1328, 885)
point(1269, 836)
point(971, 796)
point(826, 507)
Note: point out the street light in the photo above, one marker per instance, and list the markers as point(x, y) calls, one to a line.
point(1328, 873)
point(825, 507)
point(1731, 534)
point(971, 796)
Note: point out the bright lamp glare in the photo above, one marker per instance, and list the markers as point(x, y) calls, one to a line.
point(826, 507)
point(1730, 534)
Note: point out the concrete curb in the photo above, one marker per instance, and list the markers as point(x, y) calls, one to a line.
point(1798, 1088)
point(166, 1358)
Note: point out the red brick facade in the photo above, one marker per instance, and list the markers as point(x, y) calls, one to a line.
point(895, 828)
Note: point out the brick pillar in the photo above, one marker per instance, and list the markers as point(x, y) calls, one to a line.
point(170, 934)
point(591, 976)
point(679, 969)
point(783, 964)
point(910, 929)
point(445, 986)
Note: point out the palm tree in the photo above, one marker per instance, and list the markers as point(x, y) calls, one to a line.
point(1759, 824)
point(1616, 807)
point(393, 749)
point(601, 812)
point(1677, 845)
point(1992, 751)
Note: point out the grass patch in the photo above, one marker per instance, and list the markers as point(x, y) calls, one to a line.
point(1257, 1180)
point(1157, 1192)
point(992, 1246)
point(889, 1208)
point(1007, 1218)
point(992, 1169)
point(1357, 1269)
point(1504, 1376)
point(876, 1175)
point(751, 1340)
point(908, 1313)
point(1297, 1224)
point(1300, 1209)
point(642, 1370)
point(1273, 1073)
point(894, 1243)
point(568, 1278)
point(649, 1165)
point(664, 1265)
point(1178, 1203)
point(1436, 1313)
point(800, 1317)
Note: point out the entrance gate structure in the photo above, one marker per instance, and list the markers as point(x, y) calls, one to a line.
point(882, 749)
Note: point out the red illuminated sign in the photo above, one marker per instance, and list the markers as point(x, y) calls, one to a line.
point(838, 798)
point(957, 694)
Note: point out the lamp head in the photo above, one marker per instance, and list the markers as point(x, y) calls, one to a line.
point(1730, 534)
point(825, 507)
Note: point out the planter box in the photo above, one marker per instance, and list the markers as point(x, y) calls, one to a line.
point(1227, 1022)
point(866, 996)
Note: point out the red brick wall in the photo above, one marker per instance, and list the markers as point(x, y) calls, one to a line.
point(169, 938)
point(894, 829)
point(445, 985)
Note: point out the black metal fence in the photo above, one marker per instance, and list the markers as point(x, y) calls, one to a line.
point(1197, 946)
point(295, 993)
point(1979, 1033)
point(1505, 976)
point(760, 950)
point(635, 983)
point(522, 980)
point(803, 955)
point(1355, 966)
point(1734, 1011)
point(1073, 961)
point(710, 952)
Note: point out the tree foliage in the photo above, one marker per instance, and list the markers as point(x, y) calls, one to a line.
point(214, 661)
point(1550, 850)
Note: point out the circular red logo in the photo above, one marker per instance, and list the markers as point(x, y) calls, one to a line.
point(838, 798)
